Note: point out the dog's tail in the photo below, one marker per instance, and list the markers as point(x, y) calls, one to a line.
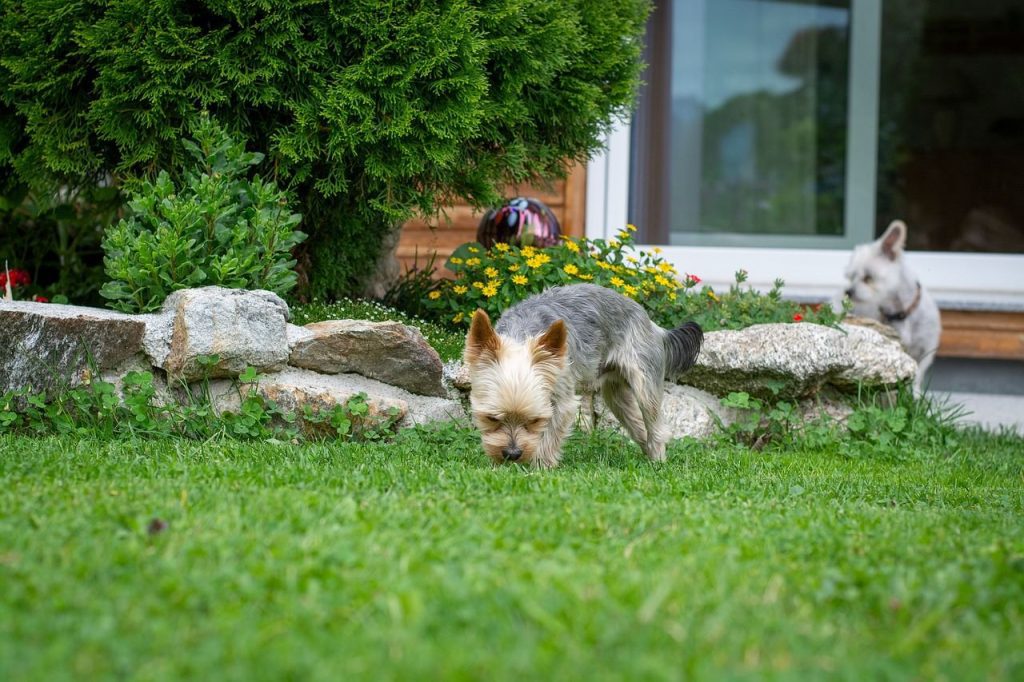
point(682, 346)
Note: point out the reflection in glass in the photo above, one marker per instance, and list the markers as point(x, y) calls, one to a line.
point(951, 124)
point(758, 117)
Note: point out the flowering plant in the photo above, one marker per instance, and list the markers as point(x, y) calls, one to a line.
point(15, 278)
point(496, 278)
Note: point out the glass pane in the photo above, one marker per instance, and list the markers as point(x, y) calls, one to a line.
point(759, 118)
point(951, 124)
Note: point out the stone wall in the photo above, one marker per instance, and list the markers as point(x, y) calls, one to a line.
point(46, 346)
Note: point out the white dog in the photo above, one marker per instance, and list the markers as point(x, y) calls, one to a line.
point(882, 287)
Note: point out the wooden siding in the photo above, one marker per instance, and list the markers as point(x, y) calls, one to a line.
point(441, 235)
point(978, 334)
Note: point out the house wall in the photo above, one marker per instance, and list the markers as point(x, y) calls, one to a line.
point(441, 235)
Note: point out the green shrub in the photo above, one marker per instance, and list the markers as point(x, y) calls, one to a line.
point(219, 228)
point(494, 279)
point(370, 111)
point(97, 409)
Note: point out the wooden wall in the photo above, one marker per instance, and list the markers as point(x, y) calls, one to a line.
point(982, 335)
point(419, 238)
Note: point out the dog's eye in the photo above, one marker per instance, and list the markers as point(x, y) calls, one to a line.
point(535, 423)
point(868, 279)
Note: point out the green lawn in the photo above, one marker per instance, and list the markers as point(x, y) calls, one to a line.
point(419, 560)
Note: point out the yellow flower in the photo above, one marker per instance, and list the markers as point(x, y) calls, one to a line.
point(587, 277)
point(711, 295)
point(662, 281)
point(617, 282)
point(519, 279)
point(613, 243)
point(631, 227)
point(631, 260)
point(491, 289)
point(513, 268)
point(472, 262)
point(672, 296)
point(572, 246)
point(630, 290)
point(473, 249)
point(455, 259)
point(657, 249)
point(459, 289)
point(604, 265)
point(623, 235)
point(528, 251)
point(571, 269)
point(666, 267)
point(434, 295)
point(478, 285)
point(458, 318)
point(501, 246)
point(651, 271)
point(491, 272)
point(534, 262)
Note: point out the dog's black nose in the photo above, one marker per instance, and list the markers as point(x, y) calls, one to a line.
point(511, 453)
point(849, 293)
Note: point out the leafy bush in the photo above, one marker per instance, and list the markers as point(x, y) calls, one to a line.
point(218, 228)
point(97, 409)
point(495, 278)
point(882, 424)
point(369, 111)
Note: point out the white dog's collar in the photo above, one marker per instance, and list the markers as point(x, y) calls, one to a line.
point(900, 316)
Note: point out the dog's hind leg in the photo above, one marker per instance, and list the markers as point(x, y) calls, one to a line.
point(648, 390)
point(619, 398)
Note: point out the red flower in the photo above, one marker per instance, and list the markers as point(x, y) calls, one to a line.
point(692, 279)
point(19, 278)
point(798, 318)
point(41, 299)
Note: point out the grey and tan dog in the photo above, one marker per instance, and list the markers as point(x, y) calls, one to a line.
point(528, 372)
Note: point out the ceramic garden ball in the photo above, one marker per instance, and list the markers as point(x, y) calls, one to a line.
point(520, 221)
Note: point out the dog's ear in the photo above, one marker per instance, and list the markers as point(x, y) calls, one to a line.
point(894, 239)
point(481, 338)
point(552, 343)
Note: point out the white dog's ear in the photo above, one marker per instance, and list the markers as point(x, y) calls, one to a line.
point(481, 339)
point(894, 239)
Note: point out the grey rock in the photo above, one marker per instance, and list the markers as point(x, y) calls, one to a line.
point(786, 361)
point(692, 413)
point(243, 328)
point(456, 375)
point(296, 334)
point(765, 360)
point(44, 346)
point(386, 351)
point(295, 389)
point(874, 359)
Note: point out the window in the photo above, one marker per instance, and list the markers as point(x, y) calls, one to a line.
point(773, 135)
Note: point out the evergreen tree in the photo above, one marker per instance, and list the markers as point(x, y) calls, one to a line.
point(369, 110)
